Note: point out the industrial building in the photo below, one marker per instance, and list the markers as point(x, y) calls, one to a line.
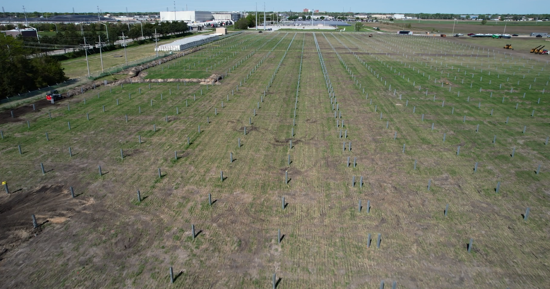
point(188, 42)
point(187, 16)
point(27, 32)
point(223, 16)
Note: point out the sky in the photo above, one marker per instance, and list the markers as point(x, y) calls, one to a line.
point(395, 6)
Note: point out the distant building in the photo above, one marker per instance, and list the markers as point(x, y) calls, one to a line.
point(187, 16)
point(398, 16)
point(188, 42)
point(27, 32)
point(223, 16)
point(306, 10)
point(380, 16)
point(474, 17)
point(316, 11)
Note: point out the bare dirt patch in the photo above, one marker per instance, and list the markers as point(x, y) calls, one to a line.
point(50, 205)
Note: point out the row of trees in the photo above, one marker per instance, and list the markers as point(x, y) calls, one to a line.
point(36, 14)
point(20, 74)
point(74, 34)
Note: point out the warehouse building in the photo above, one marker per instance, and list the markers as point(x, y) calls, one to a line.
point(223, 16)
point(27, 32)
point(188, 42)
point(187, 16)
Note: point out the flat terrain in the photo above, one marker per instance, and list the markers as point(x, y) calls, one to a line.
point(76, 68)
point(465, 27)
point(393, 155)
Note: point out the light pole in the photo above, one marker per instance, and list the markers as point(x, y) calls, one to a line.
point(264, 16)
point(106, 31)
point(142, 38)
point(124, 45)
point(256, 16)
point(100, 54)
point(454, 22)
point(312, 18)
point(37, 38)
point(86, 51)
point(156, 43)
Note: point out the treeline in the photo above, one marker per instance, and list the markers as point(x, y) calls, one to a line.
point(74, 34)
point(36, 14)
point(20, 74)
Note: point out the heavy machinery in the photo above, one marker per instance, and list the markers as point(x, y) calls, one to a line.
point(544, 52)
point(508, 46)
point(538, 50)
point(53, 96)
point(533, 49)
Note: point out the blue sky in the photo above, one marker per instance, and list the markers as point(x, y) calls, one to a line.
point(396, 6)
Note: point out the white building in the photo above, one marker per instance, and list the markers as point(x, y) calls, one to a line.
point(223, 16)
point(398, 16)
point(187, 16)
point(188, 42)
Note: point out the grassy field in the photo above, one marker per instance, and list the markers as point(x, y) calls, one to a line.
point(426, 124)
point(75, 68)
point(465, 27)
point(543, 24)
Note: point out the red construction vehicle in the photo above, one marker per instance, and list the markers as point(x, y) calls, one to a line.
point(53, 95)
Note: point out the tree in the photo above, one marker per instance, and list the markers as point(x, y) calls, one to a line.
point(19, 74)
point(484, 21)
point(251, 21)
point(358, 26)
point(241, 24)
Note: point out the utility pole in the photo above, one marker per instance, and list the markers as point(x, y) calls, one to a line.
point(98, 18)
point(454, 22)
point(86, 51)
point(124, 44)
point(106, 31)
point(504, 29)
point(25, 12)
point(100, 54)
point(264, 16)
point(174, 10)
point(256, 16)
point(156, 42)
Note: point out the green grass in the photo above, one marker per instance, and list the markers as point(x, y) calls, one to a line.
point(75, 68)
point(473, 22)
